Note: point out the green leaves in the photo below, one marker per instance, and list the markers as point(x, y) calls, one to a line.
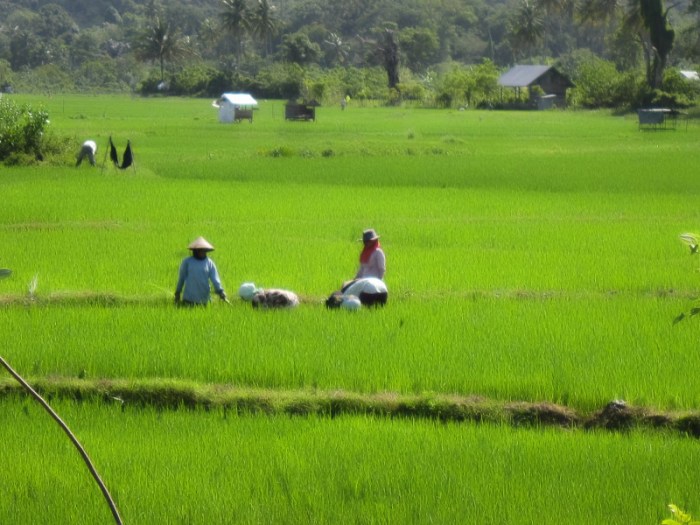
point(690, 239)
point(21, 128)
point(679, 518)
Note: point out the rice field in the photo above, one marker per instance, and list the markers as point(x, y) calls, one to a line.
point(213, 467)
point(531, 257)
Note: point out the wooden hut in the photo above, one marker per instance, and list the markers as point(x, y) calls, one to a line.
point(234, 107)
point(552, 83)
point(300, 111)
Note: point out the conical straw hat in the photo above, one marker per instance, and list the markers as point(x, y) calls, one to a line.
point(200, 243)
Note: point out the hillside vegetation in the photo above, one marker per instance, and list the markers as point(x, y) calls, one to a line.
point(420, 51)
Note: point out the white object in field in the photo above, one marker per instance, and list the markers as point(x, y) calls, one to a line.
point(351, 302)
point(228, 103)
point(247, 291)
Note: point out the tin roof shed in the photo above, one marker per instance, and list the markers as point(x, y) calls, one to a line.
point(238, 99)
point(234, 107)
point(551, 81)
point(525, 76)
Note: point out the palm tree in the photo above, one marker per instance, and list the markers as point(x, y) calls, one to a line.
point(527, 26)
point(236, 20)
point(384, 48)
point(208, 37)
point(159, 42)
point(661, 37)
point(337, 48)
point(263, 23)
point(598, 11)
point(648, 19)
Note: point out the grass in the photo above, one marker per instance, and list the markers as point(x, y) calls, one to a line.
point(534, 263)
point(504, 348)
point(178, 393)
point(532, 245)
point(216, 467)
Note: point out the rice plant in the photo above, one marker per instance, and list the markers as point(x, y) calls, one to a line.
point(219, 467)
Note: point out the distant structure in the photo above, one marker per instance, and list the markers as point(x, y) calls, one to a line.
point(234, 107)
point(690, 75)
point(552, 83)
point(305, 110)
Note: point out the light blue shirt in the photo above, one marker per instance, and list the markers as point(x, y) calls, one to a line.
point(195, 275)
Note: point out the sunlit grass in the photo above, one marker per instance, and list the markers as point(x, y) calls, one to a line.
point(216, 467)
point(582, 351)
point(523, 221)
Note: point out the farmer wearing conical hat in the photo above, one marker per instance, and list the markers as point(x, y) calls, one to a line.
point(195, 274)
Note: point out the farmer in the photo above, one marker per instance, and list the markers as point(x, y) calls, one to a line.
point(88, 149)
point(370, 291)
point(270, 298)
point(195, 273)
point(372, 258)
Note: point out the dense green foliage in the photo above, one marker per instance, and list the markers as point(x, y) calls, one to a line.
point(21, 129)
point(208, 47)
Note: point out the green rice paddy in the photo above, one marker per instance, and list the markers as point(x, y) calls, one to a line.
point(531, 257)
point(210, 467)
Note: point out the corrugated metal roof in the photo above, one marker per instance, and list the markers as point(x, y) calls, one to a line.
point(240, 99)
point(522, 76)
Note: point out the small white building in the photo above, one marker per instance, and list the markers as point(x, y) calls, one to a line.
point(690, 75)
point(234, 107)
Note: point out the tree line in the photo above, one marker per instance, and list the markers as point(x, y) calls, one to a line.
point(433, 52)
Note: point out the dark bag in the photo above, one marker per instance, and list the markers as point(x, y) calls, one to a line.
point(335, 300)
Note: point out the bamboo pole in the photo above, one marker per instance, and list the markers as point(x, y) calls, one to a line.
point(71, 436)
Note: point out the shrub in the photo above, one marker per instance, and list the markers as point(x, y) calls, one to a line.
point(48, 78)
point(194, 80)
point(679, 91)
point(281, 151)
point(281, 81)
point(21, 130)
point(595, 83)
point(412, 91)
point(470, 85)
point(98, 75)
point(660, 98)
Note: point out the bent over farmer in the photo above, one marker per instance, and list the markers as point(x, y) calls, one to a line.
point(268, 298)
point(195, 274)
point(87, 150)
